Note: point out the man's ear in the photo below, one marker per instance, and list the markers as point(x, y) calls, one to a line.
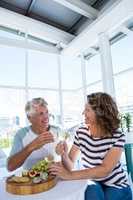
point(28, 117)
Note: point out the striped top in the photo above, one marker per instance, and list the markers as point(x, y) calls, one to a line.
point(93, 150)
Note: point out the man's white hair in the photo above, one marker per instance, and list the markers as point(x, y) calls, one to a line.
point(31, 106)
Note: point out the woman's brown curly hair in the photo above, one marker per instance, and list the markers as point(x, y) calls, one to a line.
point(106, 111)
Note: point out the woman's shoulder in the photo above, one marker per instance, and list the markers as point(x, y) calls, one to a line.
point(118, 134)
point(82, 128)
point(119, 138)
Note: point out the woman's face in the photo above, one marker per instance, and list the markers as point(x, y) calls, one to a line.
point(89, 114)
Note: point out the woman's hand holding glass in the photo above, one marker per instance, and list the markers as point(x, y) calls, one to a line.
point(62, 148)
point(57, 169)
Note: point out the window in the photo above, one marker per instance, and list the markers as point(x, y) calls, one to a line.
point(123, 87)
point(73, 105)
point(71, 73)
point(123, 73)
point(96, 87)
point(12, 115)
point(43, 70)
point(93, 69)
point(12, 66)
point(122, 54)
point(93, 74)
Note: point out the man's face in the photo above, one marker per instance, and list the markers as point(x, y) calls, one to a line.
point(41, 117)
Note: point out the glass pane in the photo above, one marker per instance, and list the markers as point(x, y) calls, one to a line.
point(93, 69)
point(43, 70)
point(124, 88)
point(71, 73)
point(12, 103)
point(124, 94)
point(12, 66)
point(73, 105)
point(122, 54)
point(12, 115)
point(97, 87)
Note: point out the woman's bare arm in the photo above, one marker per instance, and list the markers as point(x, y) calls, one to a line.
point(101, 171)
point(68, 160)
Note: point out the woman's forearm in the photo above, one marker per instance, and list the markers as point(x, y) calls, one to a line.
point(92, 173)
point(67, 162)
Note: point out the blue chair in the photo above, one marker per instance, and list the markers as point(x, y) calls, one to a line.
point(129, 158)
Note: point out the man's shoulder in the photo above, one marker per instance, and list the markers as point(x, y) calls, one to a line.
point(54, 127)
point(22, 131)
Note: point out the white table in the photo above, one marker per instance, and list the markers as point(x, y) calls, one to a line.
point(64, 190)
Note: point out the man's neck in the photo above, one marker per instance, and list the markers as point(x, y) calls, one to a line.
point(39, 130)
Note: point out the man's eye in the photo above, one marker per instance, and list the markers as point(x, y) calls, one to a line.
point(45, 114)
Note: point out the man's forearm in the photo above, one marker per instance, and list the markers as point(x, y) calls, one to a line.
point(18, 159)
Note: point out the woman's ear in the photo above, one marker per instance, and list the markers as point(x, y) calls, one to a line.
point(99, 112)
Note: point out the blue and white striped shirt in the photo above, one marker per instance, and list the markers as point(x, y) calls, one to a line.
point(93, 151)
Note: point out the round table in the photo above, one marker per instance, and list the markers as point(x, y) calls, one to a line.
point(64, 190)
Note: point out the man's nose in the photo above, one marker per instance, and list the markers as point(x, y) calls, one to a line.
point(83, 113)
point(45, 116)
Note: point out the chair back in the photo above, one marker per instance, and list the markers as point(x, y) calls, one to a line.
point(129, 158)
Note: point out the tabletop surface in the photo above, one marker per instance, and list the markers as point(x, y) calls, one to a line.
point(64, 190)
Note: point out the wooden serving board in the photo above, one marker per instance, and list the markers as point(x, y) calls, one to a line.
point(29, 187)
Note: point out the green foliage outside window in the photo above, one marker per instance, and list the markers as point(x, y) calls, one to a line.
point(126, 122)
point(5, 142)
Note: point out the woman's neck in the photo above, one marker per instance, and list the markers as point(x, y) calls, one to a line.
point(96, 131)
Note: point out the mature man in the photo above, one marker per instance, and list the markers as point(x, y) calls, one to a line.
point(34, 142)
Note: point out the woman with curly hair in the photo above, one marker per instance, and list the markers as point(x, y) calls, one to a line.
point(101, 144)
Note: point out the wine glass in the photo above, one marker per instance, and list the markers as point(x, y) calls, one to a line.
point(52, 155)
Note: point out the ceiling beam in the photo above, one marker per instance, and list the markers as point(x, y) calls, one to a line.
point(30, 7)
point(126, 30)
point(108, 22)
point(28, 45)
point(47, 21)
point(91, 50)
point(80, 7)
point(12, 7)
point(33, 27)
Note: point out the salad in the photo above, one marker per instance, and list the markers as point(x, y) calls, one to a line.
point(39, 171)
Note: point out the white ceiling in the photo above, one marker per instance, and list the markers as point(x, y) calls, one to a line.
point(68, 25)
point(58, 13)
